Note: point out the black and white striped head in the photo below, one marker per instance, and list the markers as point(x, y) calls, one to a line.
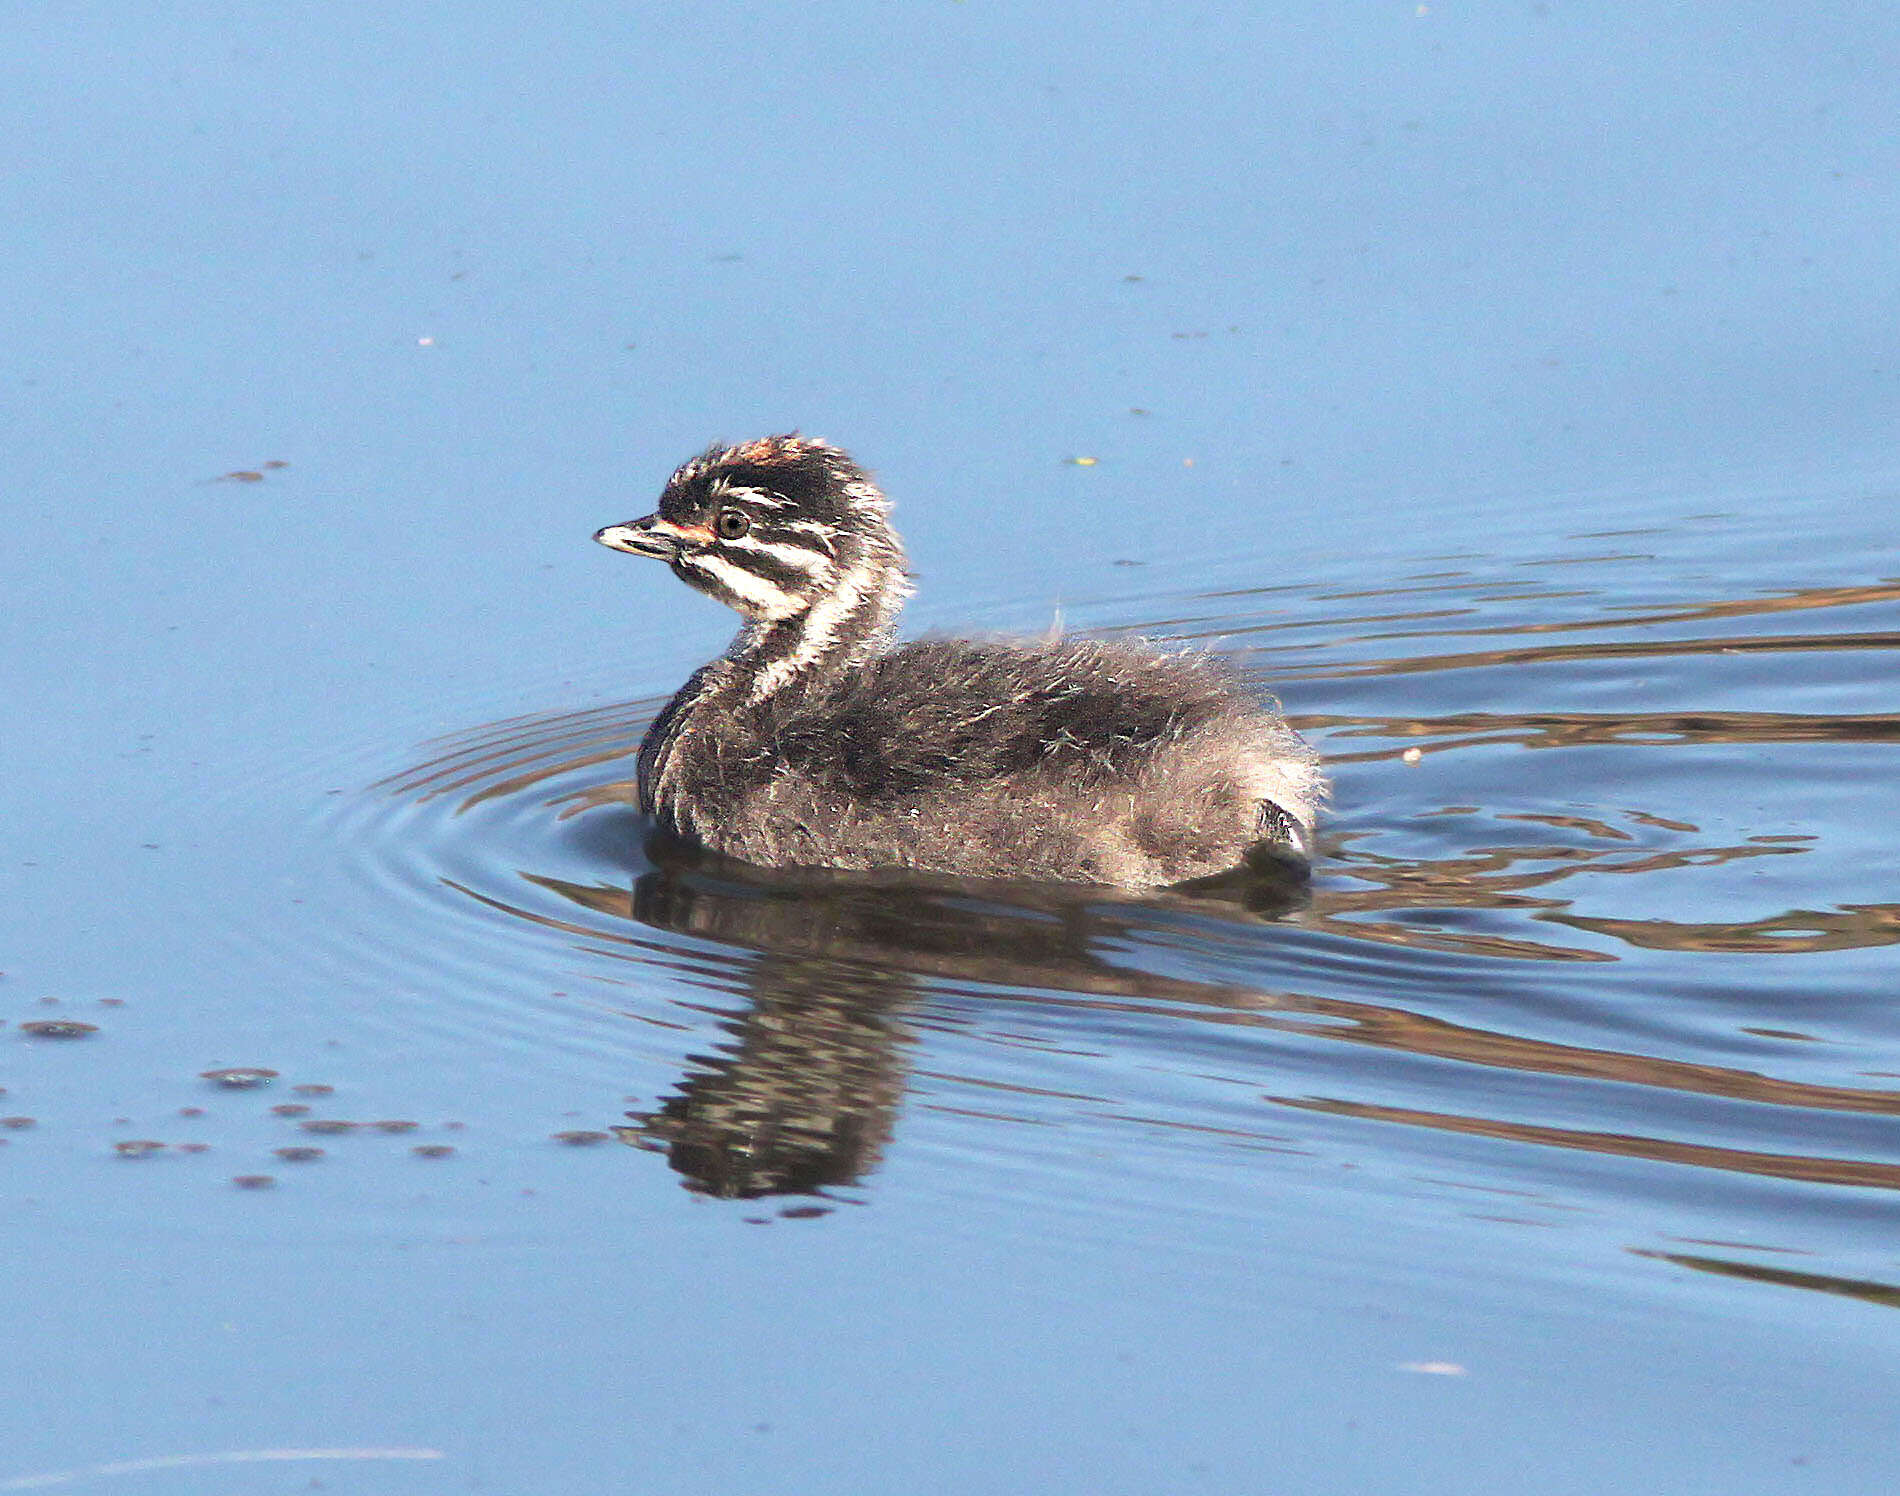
point(772, 528)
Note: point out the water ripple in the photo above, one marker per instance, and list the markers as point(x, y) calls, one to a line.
point(1603, 899)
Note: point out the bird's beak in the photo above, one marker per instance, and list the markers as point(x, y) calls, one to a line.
point(651, 536)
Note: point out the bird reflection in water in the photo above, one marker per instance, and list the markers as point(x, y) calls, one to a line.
point(805, 1095)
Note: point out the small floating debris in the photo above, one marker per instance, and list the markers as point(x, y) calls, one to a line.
point(290, 1109)
point(298, 1155)
point(310, 1088)
point(254, 1181)
point(250, 475)
point(138, 1147)
point(1412, 755)
point(1081, 461)
point(581, 1137)
point(58, 1028)
point(239, 1077)
point(432, 1150)
point(329, 1125)
point(395, 1124)
point(18, 1124)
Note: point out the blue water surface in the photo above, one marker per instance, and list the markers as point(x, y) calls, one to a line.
point(1514, 384)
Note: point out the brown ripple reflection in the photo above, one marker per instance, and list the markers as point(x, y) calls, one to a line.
point(1851, 927)
point(1414, 1033)
point(1503, 878)
point(1810, 1170)
point(1610, 617)
point(1590, 729)
point(1865, 1290)
point(1620, 649)
point(512, 756)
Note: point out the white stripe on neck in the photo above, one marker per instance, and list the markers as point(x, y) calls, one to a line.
point(818, 629)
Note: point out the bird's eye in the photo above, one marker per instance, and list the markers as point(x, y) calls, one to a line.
point(733, 523)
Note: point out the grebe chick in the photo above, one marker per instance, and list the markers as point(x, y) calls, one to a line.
point(816, 741)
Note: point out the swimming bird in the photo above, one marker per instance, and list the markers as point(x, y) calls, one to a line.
point(816, 740)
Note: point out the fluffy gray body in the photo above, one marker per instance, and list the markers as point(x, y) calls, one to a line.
point(815, 741)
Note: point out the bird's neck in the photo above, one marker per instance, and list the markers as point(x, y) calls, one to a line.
point(847, 626)
point(768, 660)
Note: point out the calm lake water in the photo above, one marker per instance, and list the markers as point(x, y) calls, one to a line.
point(1510, 394)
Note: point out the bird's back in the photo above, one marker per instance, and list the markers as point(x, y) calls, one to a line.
point(1068, 759)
